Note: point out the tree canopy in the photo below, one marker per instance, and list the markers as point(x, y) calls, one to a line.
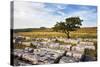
point(70, 24)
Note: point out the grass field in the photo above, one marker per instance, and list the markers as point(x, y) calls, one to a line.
point(89, 32)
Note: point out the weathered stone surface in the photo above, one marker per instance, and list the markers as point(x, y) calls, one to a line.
point(65, 59)
point(54, 45)
point(86, 43)
point(47, 51)
point(65, 47)
point(78, 48)
point(18, 52)
point(75, 54)
point(42, 58)
point(31, 58)
point(69, 53)
point(27, 49)
point(90, 47)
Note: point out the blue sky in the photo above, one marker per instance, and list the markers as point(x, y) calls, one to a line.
point(34, 15)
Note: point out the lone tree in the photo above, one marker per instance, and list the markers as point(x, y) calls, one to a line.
point(70, 24)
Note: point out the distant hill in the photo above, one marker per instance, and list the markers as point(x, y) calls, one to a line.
point(83, 29)
point(33, 30)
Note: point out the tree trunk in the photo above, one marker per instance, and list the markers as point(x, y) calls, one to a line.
point(68, 35)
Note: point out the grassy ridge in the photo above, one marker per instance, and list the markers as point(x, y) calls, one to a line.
point(89, 32)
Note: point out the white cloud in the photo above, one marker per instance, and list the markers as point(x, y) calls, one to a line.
point(28, 14)
point(61, 7)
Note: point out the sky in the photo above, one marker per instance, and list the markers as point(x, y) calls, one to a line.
point(29, 14)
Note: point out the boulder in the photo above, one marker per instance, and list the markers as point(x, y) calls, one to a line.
point(69, 53)
point(65, 59)
point(30, 58)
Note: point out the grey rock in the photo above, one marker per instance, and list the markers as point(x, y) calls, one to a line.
point(66, 59)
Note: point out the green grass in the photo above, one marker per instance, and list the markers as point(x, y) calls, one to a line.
point(90, 52)
point(19, 46)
